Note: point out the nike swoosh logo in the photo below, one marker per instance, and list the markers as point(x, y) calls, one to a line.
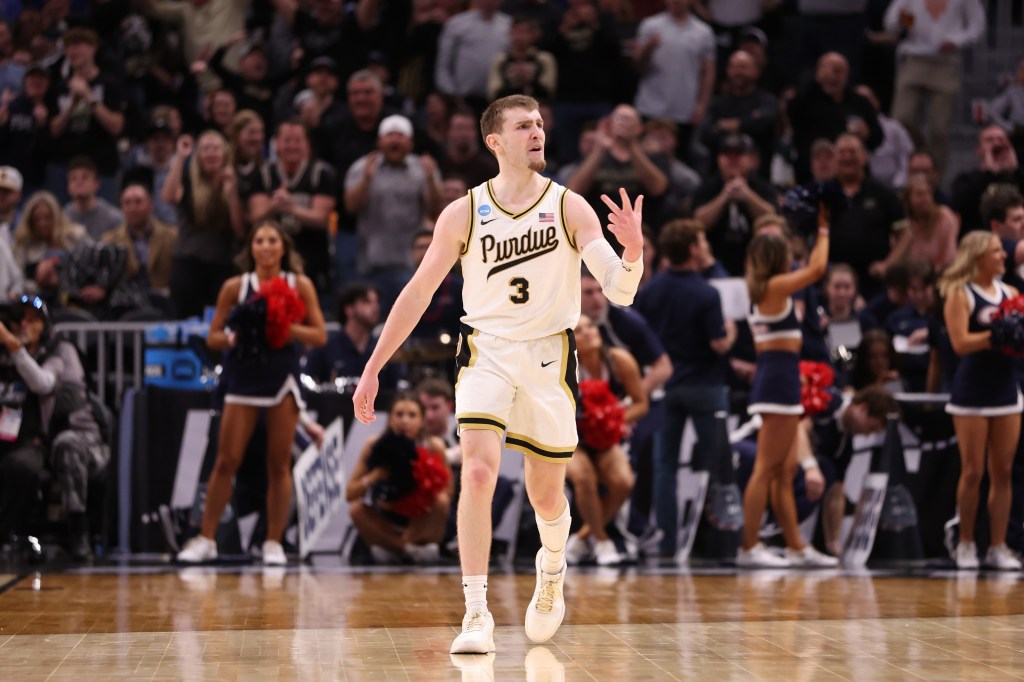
point(484, 222)
point(550, 362)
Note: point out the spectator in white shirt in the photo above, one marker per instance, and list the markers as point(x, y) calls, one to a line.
point(928, 70)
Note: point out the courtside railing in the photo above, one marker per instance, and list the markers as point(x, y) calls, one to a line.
point(113, 354)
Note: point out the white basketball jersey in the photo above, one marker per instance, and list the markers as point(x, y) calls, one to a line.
point(521, 270)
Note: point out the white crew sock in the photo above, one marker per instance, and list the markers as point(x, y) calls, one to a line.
point(553, 536)
point(475, 589)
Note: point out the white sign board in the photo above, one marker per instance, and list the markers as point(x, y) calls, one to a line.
point(319, 486)
point(865, 522)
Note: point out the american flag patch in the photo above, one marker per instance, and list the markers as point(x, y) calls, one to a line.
point(546, 218)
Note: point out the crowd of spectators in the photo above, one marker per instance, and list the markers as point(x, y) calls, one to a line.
point(140, 139)
point(354, 123)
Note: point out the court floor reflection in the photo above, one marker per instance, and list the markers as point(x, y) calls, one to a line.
point(333, 622)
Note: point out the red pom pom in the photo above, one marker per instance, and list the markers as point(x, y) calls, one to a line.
point(815, 380)
point(1011, 305)
point(603, 422)
point(284, 308)
point(431, 477)
point(1011, 308)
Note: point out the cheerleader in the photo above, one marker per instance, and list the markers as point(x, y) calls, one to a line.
point(985, 400)
point(259, 379)
point(775, 395)
point(382, 480)
point(607, 465)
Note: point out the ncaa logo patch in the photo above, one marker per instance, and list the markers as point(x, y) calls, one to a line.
point(484, 210)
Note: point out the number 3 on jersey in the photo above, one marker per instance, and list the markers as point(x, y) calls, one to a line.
point(522, 286)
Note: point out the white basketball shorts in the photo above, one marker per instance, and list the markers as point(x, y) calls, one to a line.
point(525, 390)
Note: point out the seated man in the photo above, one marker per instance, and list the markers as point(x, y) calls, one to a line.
point(149, 242)
point(347, 351)
point(87, 208)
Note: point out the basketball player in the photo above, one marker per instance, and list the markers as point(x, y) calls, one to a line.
point(521, 238)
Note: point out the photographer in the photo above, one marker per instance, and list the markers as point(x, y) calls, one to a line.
point(44, 410)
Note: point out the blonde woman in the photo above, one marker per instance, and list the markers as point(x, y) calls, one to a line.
point(984, 400)
point(203, 186)
point(44, 237)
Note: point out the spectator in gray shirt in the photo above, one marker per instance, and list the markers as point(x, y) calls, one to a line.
point(675, 55)
point(86, 208)
point(468, 45)
point(390, 191)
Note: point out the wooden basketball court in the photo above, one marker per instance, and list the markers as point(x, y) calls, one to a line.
point(329, 621)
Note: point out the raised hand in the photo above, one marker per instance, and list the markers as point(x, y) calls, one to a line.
point(185, 145)
point(625, 223)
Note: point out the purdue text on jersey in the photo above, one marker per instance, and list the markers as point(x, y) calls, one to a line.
point(533, 244)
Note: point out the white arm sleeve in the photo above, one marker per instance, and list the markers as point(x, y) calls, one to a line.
point(619, 280)
point(40, 380)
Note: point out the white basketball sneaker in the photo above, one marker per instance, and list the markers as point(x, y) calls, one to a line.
point(198, 550)
point(760, 556)
point(547, 608)
point(966, 556)
point(477, 636)
point(273, 554)
point(424, 555)
point(606, 553)
point(809, 557)
point(1002, 559)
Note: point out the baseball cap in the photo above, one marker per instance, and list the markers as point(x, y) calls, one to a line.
point(302, 97)
point(160, 125)
point(324, 63)
point(395, 124)
point(737, 143)
point(823, 145)
point(754, 34)
point(10, 179)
